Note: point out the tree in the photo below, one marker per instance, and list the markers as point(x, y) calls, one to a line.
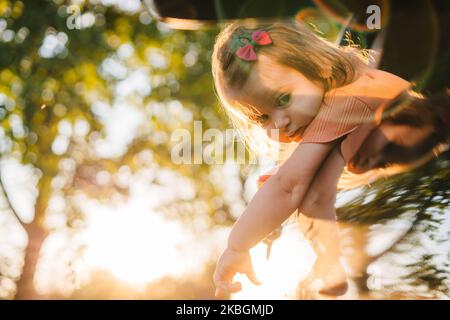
point(55, 79)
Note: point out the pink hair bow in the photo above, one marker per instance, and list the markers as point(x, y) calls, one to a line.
point(247, 49)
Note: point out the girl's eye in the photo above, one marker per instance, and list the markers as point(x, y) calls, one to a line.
point(283, 99)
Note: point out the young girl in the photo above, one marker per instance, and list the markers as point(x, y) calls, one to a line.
point(298, 88)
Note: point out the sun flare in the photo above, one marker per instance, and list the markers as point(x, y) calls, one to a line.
point(290, 261)
point(138, 246)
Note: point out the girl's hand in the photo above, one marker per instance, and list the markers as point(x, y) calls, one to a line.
point(230, 263)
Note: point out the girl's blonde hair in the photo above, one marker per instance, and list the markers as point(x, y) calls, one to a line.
point(297, 47)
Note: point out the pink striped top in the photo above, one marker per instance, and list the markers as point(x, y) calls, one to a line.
point(349, 111)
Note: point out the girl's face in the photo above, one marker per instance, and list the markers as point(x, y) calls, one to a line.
point(283, 97)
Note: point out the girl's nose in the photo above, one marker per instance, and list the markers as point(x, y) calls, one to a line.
point(281, 121)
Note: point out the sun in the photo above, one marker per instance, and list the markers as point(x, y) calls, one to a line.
point(139, 246)
point(290, 261)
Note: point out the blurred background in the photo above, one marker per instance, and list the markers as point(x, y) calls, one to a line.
point(93, 207)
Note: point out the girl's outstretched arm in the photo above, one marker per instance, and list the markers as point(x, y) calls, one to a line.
point(279, 197)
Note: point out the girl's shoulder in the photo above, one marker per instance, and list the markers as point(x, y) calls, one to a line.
point(347, 107)
point(374, 86)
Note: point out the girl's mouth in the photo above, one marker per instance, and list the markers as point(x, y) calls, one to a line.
point(296, 136)
point(296, 133)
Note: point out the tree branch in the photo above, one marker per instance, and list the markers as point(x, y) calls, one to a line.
point(5, 194)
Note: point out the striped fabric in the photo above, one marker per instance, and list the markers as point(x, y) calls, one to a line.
point(350, 111)
point(338, 116)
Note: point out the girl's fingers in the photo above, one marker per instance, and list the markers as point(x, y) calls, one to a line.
point(235, 287)
point(222, 278)
point(224, 288)
point(220, 293)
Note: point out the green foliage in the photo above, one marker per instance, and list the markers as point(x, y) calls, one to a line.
point(420, 199)
point(54, 80)
point(48, 90)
